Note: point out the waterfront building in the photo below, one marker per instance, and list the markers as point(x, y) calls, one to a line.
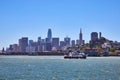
point(94, 36)
point(92, 51)
point(55, 43)
point(23, 43)
point(67, 41)
point(49, 35)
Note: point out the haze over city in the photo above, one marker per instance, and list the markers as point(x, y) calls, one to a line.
point(32, 18)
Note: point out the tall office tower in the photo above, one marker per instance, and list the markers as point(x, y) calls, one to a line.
point(23, 43)
point(30, 47)
point(49, 35)
point(77, 42)
point(94, 36)
point(48, 47)
point(47, 40)
point(30, 42)
point(42, 46)
point(67, 41)
point(55, 43)
point(15, 48)
point(73, 43)
point(39, 39)
point(20, 45)
point(42, 40)
point(100, 35)
point(62, 45)
point(10, 48)
point(80, 37)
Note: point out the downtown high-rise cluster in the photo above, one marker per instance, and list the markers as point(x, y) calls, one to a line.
point(51, 43)
point(48, 44)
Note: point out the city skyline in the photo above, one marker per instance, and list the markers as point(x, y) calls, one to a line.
point(65, 18)
point(50, 43)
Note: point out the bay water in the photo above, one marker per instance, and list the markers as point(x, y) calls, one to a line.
point(58, 68)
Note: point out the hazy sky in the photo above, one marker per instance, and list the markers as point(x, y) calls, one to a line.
point(32, 18)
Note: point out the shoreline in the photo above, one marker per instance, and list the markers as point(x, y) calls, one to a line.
point(53, 55)
point(48, 54)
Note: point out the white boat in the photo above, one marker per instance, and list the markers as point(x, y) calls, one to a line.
point(75, 55)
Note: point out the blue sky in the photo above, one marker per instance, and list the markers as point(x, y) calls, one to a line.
point(32, 18)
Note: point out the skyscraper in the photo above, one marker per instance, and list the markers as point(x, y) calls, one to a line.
point(80, 37)
point(67, 41)
point(55, 43)
point(100, 35)
point(77, 42)
point(62, 45)
point(23, 43)
point(49, 35)
point(20, 45)
point(39, 39)
point(48, 46)
point(73, 43)
point(94, 36)
point(15, 47)
point(43, 45)
point(30, 42)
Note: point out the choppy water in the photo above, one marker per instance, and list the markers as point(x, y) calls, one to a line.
point(57, 68)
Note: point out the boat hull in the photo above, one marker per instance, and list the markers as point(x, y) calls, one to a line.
point(74, 57)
